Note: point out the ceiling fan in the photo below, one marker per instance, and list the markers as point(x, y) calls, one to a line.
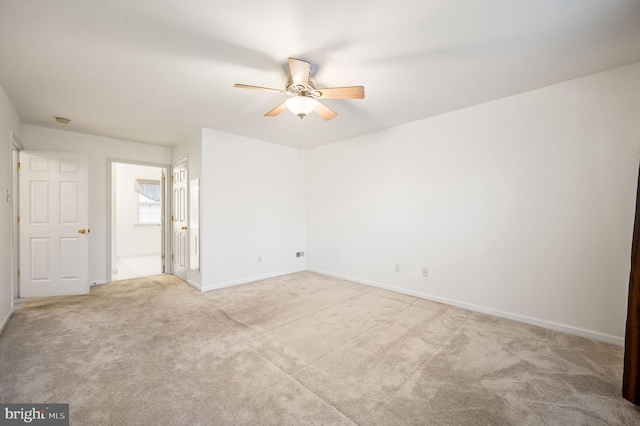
point(304, 93)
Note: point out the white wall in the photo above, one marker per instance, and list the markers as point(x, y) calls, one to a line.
point(99, 149)
point(134, 239)
point(253, 206)
point(9, 121)
point(522, 207)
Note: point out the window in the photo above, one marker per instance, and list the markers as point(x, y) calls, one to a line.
point(149, 206)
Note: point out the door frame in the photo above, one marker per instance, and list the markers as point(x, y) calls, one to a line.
point(166, 212)
point(16, 147)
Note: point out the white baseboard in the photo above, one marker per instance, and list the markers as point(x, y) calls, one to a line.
point(246, 280)
point(589, 334)
point(6, 321)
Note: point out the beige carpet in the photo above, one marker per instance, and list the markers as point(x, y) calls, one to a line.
point(299, 349)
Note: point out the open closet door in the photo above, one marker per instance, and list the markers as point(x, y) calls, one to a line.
point(179, 218)
point(54, 233)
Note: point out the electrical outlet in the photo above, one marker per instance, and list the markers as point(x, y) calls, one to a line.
point(425, 272)
point(397, 267)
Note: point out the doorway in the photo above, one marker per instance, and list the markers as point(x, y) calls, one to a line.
point(137, 230)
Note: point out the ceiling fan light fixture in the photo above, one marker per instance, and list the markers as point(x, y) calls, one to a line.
point(301, 105)
point(304, 95)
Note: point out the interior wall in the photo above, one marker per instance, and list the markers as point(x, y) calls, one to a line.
point(134, 239)
point(99, 150)
point(521, 207)
point(253, 209)
point(9, 121)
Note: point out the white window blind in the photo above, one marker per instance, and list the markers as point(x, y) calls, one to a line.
point(149, 206)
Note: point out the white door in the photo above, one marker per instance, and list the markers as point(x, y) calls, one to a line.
point(179, 220)
point(53, 223)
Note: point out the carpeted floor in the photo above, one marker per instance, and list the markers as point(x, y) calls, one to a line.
point(299, 349)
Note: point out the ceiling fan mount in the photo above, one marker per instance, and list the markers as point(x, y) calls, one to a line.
point(304, 93)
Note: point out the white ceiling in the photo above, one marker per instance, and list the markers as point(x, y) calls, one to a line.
point(157, 70)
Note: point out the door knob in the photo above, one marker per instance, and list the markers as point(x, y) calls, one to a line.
point(184, 228)
point(82, 231)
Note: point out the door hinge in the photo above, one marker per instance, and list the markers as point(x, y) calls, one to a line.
point(172, 218)
point(18, 274)
point(18, 166)
point(18, 219)
point(172, 258)
point(171, 178)
point(162, 179)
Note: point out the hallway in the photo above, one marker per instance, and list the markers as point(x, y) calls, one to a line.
point(136, 267)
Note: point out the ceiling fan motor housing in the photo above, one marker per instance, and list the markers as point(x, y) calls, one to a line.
point(298, 90)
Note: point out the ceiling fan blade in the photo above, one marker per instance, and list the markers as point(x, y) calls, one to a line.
point(266, 89)
point(299, 71)
point(324, 111)
point(277, 110)
point(351, 92)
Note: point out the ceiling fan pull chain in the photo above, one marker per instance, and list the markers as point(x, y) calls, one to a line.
point(300, 141)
